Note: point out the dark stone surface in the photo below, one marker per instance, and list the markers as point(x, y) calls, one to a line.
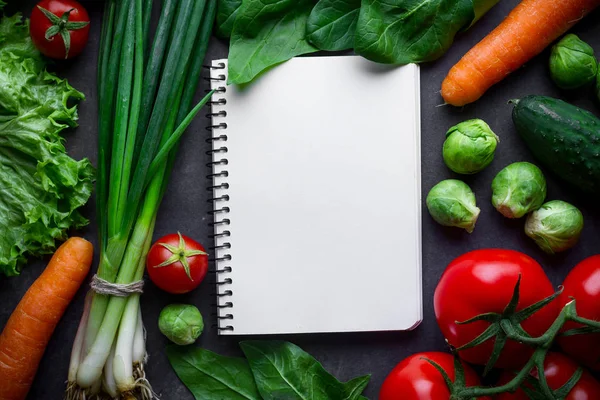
point(345, 355)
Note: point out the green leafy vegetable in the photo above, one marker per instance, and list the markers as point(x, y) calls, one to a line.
point(211, 376)
point(407, 31)
point(226, 13)
point(42, 187)
point(266, 33)
point(282, 370)
point(275, 370)
point(332, 24)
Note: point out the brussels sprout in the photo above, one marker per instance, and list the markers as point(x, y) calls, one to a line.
point(452, 203)
point(469, 147)
point(572, 63)
point(181, 323)
point(555, 227)
point(518, 189)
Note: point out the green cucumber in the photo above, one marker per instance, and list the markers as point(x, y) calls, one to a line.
point(564, 138)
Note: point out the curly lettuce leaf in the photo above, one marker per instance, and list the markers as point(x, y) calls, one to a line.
point(41, 187)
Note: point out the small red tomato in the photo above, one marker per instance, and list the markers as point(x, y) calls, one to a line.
point(558, 369)
point(583, 285)
point(59, 28)
point(416, 379)
point(481, 282)
point(177, 264)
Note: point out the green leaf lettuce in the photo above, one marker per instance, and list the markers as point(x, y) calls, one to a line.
point(41, 187)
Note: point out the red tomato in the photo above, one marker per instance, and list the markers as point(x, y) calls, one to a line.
point(558, 369)
point(583, 284)
point(66, 22)
point(177, 264)
point(483, 281)
point(416, 379)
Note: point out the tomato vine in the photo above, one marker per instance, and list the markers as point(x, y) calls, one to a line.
point(508, 326)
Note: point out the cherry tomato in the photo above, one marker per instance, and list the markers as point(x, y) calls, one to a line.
point(583, 284)
point(416, 379)
point(483, 281)
point(66, 23)
point(558, 369)
point(177, 264)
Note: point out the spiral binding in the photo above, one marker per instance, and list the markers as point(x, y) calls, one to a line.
point(219, 201)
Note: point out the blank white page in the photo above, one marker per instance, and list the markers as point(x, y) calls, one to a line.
point(323, 219)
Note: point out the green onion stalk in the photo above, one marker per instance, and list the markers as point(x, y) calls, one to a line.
point(146, 90)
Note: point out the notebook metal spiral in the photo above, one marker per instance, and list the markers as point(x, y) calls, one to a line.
point(220, 198)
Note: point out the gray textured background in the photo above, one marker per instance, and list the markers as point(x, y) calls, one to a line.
point(346, 355)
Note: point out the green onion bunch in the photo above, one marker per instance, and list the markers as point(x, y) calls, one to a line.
point(145, 97)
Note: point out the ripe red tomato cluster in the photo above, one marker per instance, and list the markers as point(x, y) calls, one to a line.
point(482, 282)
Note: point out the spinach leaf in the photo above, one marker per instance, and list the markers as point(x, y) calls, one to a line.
point(266, 33)
point(211, 376)
point(226, 13)
point(332, 24)
point(284, 371)
point(406, 31)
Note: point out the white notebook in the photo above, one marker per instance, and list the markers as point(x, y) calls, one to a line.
point(317, 198)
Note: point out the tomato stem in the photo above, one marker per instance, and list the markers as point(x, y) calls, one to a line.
point(513, 331)
point(507, 326)
point(62, 25)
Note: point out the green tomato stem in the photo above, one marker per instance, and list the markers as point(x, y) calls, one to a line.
point(585, 321)
point(543, 344)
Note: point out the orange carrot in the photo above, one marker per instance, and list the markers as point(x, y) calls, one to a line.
point(29, 328)
point(526, 32)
